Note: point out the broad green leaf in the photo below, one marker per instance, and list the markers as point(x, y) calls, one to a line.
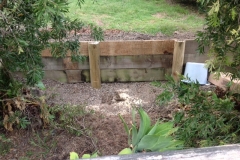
point(163, 143)
point(134, 136)
point(125, 125)
point(145, 124)
point(126, 129)
point(73, 156)
point(147, 142)
point(175, 144)
point(153, 129)
point(125, 151)
point(133, 115)
point(164, 129)
point(85, 156)
point(154, 143)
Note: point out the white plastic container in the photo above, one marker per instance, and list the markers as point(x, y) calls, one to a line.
point(196, 72)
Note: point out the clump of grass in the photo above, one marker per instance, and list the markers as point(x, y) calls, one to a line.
point(138, 15)
point(67, 117)
point(5, 144)
point(45, 143)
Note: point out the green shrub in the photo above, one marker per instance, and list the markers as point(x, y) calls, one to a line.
point(27, 27)
point(221, 35)
point(203, 119)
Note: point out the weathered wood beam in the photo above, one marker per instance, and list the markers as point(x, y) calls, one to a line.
point(111, 62)
point(121, 48)
point(94, 63)
point(178, 57)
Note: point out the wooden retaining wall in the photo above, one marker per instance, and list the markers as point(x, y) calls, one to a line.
point(124, 61)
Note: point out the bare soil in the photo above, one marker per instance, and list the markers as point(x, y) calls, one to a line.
point(111, 35)
point(106, 131)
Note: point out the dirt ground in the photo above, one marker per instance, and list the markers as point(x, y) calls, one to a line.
point(107, 135)
point(111, 35)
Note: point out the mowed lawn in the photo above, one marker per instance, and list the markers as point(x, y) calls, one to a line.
point(144, 16)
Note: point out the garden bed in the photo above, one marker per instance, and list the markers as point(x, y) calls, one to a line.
point(102, 129)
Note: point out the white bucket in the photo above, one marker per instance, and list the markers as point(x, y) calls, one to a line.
point(196, 72)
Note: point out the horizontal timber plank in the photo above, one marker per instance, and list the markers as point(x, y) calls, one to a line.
point(113, 48)
point(198, 58)
point(128, 75)
point(139, 61)
point(191, 47)
point(56, 75)
point(50, 63)
point(117, 48)
point(74, 76)
point(111, 62)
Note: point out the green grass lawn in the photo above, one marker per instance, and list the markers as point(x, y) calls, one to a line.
point(145, 16)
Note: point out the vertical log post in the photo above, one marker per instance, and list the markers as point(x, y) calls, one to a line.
point(178, 57)
point(94, 62)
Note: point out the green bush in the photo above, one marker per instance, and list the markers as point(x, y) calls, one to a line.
point(27, 27)
point(204, 119)
point(222, 35)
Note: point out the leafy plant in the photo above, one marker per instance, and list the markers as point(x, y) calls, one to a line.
point(203, 118)
point(23, 122)
point(67, 117)
point(74, 156)
point(26, 28)
point(221, 35)
point(149, 138)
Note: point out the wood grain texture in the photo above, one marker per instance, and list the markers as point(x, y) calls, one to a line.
point(73, 76)
point(198, 58)
point(223, 81)
point(111, 62)
point(128, 75)
point(120, 48)
point(51, 63)
point(178, 57)
point(191, 47)
point(114, 48)
point(56, 75)
point(94, 63)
